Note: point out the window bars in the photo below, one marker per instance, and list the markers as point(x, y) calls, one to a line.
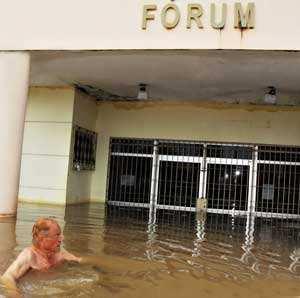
point(84, 150)
point(236, 179)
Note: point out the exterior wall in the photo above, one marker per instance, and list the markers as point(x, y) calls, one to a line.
point(46, 170)
point(98, 191)
point(117, 25)
point(79, 183)
point(191, 121)
point(45, 154)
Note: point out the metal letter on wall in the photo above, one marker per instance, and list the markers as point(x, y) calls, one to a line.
point(164, 13)
point(147, 16)
point(213, 22)
point(244, 20)
point(195, 12)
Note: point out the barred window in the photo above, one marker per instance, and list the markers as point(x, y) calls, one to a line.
point(85, 144)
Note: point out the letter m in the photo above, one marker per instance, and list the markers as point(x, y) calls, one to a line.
point(244, 20)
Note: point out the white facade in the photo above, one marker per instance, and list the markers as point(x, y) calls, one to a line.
point(105, 45)
point(113, 25)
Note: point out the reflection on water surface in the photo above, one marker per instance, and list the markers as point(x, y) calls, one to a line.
point(174, 254)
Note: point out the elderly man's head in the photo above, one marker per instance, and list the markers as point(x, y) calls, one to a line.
point(46, 235)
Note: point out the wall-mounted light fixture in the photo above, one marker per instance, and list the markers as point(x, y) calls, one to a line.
point(142, 94)
point(270, 95)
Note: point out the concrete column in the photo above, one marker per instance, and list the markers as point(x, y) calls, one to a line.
point(7, 243)
point(14, 81)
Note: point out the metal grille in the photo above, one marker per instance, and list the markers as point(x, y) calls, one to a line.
point(130, 172)
point(278, 180)
point(235, 179)
point(84, 151)
point(178, 184)
point(227, 187)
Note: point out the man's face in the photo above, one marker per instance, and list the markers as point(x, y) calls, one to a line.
point(52, 240)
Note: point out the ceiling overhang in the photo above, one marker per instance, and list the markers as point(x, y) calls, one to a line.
point(203, 75)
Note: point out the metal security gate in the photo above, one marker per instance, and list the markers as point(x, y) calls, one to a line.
point(277, 182)
point(228, 178)
point(235, 179)
point(130, 173)
point(178, 182)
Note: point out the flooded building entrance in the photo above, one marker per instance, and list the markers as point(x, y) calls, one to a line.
point(200, 124)
point(235, 179)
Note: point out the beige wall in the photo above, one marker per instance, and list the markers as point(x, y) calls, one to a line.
point(46, 170)
point(98, 187)
point(79, 183)
point(46, 143)
point(192, 121)
point(95, 24)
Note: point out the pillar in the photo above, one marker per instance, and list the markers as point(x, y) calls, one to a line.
point(7, 243)
point(14, 82)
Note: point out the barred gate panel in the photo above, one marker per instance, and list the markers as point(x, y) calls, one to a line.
point(178, 184)
point(263, 180)
point(227, 187)
point(180, 148)
point(278, 189)
point(130, 172)
point(132, 181)
point(278, 180)
point(131, 146)
point(229, 152)
point(228, 172)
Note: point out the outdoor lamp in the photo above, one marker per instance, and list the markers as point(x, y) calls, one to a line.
point(270, 95)
point(142, 94)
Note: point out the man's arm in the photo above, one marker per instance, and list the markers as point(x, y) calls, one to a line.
point(67, 256)
point(70, 257)
point(17, 269)
point(109, 263)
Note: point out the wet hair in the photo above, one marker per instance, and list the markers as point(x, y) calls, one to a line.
point(42, 225)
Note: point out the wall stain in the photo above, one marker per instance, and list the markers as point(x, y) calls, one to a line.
point(121, 105)
point(52, 87)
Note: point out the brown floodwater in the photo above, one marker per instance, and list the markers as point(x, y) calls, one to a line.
point(172, 254)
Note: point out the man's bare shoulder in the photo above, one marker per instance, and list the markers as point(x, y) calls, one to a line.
point(27, 251)
point(20, 265)
point(25, 256)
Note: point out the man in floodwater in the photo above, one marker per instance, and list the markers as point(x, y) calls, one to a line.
point(44, 253)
